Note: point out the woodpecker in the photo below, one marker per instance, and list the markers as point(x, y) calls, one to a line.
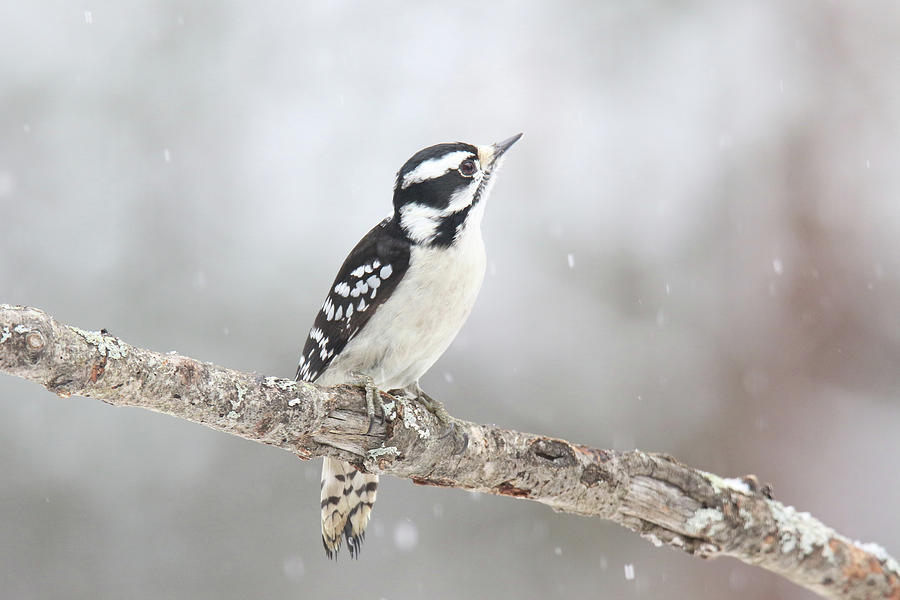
point(399, 299)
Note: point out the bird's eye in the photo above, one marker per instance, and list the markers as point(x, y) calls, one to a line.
point(467, 167)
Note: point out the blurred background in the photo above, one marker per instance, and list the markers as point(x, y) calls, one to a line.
point(695, 249)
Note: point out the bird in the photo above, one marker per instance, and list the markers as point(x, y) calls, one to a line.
point(398, 301)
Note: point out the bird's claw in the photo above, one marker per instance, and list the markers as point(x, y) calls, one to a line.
point(440, 413)
point(434, 407)
point(372, 397)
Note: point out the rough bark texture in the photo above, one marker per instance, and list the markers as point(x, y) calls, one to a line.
point(654, 495)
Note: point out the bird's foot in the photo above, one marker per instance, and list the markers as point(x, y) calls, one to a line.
point(373, 397)
point(437, 409)
point(431, 405)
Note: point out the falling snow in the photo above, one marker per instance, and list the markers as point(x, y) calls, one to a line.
point(200, 281)
point(7, 183)
point(777, 266)
point(571, 259)
point(629, 571)
point(293, 568)
point(406, 536)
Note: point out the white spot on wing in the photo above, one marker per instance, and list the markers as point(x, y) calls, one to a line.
point(386, 271)
point(349, 310)
point(358, 271)
point(339, 314)
point(342, 288)
point(362, 304)
point(374, 282)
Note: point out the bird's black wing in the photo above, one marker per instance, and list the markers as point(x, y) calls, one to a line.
point(367, 278)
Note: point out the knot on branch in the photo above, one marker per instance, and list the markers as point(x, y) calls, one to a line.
point(24, 337)
point(558, 452)
point(594, 473)
point(34, 341)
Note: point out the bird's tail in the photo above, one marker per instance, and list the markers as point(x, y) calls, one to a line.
point(347, 499)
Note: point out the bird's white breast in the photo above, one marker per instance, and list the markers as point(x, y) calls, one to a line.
point(411, 329)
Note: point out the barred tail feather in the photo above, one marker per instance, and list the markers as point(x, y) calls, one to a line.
point(347, 499)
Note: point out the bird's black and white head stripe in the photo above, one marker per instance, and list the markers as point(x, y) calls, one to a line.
point(437, 189)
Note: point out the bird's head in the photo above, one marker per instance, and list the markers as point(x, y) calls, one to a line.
point(438, 190)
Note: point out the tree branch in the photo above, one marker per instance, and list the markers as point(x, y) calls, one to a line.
point(653, 495)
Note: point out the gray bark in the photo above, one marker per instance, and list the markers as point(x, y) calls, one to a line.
point(654, 495)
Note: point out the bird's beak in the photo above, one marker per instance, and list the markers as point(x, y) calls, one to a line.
point(501, 147)
point(490, 155)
